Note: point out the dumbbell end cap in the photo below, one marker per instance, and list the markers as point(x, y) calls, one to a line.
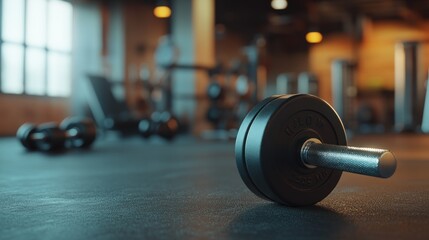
point(387, 164)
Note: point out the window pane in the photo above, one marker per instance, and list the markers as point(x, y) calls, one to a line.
point(35, 71)
point(12, 60)
point(36, 23)
point(13, 20)
point(59, 74)
point(60, 25)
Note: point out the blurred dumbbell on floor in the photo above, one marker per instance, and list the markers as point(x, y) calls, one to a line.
point(80, 132)
point(215, 91)
point(49, 137)
point(163, 124)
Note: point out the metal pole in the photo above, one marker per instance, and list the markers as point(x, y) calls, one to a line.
point(366, 161)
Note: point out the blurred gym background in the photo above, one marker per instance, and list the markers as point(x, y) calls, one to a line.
point(207, 62)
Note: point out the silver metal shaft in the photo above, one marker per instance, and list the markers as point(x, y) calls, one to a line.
point(366, 161)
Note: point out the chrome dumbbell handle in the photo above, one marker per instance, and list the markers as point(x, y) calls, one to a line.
point(365, 161)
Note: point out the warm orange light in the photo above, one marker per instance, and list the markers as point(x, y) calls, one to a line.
point(162, 12)
point(314, 37)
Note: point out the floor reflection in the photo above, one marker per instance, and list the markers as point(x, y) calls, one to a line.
point(280, 222)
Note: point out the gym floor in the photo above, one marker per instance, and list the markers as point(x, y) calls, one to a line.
point(190, 189)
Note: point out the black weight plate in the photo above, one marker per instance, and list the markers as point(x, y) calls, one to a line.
point(215, 114)
point(85, 131)
point(215, 91)
point(146, 127)
point(273, 144)
point(54, 139)
point(166, 125)
point(24, 135)
point(242, 137)
point(242, 86)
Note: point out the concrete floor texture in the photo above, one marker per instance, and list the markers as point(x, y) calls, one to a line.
point(191, 189)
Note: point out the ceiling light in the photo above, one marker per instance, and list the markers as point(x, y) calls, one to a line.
point(313, 37)
point(278, 4)
point(162, 11)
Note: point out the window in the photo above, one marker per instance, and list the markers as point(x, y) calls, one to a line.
point(36, 44)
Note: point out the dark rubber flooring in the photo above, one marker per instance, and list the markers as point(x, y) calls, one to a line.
point(189, 189)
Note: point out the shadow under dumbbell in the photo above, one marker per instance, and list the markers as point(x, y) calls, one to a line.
point(57, 152)
point(314, 222)
point(46, 153)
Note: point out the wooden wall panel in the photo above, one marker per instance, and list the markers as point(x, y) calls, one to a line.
point(321, 56)
point(17, 110)
point(376, 52)
point(374, 55)
point(142, 32)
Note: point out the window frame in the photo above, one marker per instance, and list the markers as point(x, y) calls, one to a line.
point(45, 49)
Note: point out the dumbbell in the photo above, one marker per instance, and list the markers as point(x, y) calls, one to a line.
point(80, 132)
point(49, 137)
point(215, 91)
point(160, 123)
point(292, 149)
point(242, 87)
point(215, 113)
